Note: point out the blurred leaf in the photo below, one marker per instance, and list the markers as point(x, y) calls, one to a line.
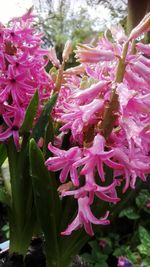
point(101, 264)
point(144, 235)
point(6, 231)
point(3, 154)
point(5, 197)
point(130, 213)
point(142, 199)
point(142, 249)
point(119, 251)
point(39, 128)
point(146, 262)
point(30, 114)
point(87, 257)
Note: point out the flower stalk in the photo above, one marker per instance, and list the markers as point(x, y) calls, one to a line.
point(111, 110)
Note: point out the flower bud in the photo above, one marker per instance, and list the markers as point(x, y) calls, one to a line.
point(142, 27)
point(67, 51)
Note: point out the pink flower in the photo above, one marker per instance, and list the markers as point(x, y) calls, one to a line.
point(89, 94)
point(94, 157)
point(13, 125)
point(53, 57)
point(135, 164)
point(144, 48)
point(22, 72)
point(87, 54)
point(64, 161)
point(77, 117)
point(105, 193)
point(142, 27)
point(85, 217)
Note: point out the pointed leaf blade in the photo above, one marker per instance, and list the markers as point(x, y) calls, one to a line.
point(30, 114)
point(39, 129)
point(45, 196)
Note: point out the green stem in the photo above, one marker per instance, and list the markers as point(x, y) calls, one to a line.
point(112, 109)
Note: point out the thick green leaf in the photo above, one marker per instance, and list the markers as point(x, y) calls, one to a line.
point(46, 200)
point(130, 213)
point(39, 128)
point(21, 212)
point(3, 154)
point(30, 114)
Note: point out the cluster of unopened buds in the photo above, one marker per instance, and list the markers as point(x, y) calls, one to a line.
point(104, 107)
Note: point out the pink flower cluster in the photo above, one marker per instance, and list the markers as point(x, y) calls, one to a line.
point(81, 111)
point(22, 62)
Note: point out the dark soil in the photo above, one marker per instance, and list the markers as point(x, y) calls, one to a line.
point(34, 258)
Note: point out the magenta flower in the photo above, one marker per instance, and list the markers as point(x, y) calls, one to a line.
point(82, 108)
point(90, 93)
point(105, 193)
point(64, 161)
point(85, 217)
point(124, 262)
point(13, 125)
point(22, 72)
point(144, 48)
point(94, 157)
point(77, 117)
point(134, 165)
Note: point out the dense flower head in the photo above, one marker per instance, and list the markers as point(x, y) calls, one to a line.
point(22, 62)
point(104, 106)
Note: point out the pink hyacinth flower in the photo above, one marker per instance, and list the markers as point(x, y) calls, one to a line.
point(142, 27)
point(86, 218)
point(87, 54)
point(94, 157)
point(105, 193)
point(63, 161)
point(13, 126)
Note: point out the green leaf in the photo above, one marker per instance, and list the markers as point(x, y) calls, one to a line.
point(49, 137)
point(5, 197)
point(144, 235)
point(87, 257)
point(22, 208)
point(101, 264)
point(142, 199)
point(146, 262)
point(46, 200)
point(130, 213)
point(120, 251)
point(39, 128)
point(3, 154)
point(30, 114)
point(143, 250)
